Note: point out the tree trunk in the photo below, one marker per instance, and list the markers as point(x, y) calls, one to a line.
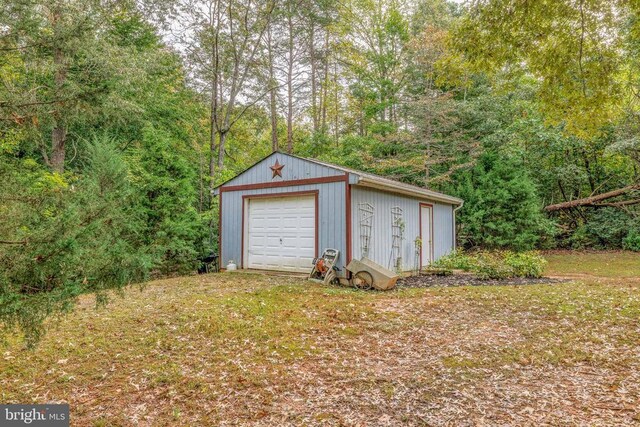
point(272, 95)
point(314, 95)
point(337, 105)
point(200, 180)
point(427, 167)
point(59, 132)
point(212, 140)
point(427, 139)
point(222, 138)
point(325, 83)
point(215, 81)
point(274, 121)
point(212, 161)
point(58, 141)
point(592, 201)
point(290, 86)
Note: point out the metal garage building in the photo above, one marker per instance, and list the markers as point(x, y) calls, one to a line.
point(285, 210)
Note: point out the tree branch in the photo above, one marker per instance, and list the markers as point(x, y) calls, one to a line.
point(618, 204)
point(592, 200)
point(22, 242)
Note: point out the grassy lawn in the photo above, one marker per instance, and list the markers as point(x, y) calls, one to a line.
point(241, 349)
point(602, 264)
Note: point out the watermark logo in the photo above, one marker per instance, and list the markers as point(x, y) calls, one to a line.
point(34, 415)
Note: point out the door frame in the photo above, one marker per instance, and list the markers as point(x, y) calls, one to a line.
point(430, 207)
point(245, 216)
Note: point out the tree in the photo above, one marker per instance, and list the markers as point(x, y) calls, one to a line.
point(583, 54)
point(320, 17)
point(377, 37)
point(575, 48)
point(160, 166)
point(60, 64)
point(295, 66)
point(222, 40)
point(433, 111)
point(271, 46)
point(502, 207)
point(126, 202)
point(63, 240)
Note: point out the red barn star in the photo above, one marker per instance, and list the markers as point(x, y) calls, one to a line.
point(276, 169)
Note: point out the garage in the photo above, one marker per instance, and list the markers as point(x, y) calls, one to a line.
point(284, 210)
point(281, 231)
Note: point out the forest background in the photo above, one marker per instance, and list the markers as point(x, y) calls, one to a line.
point(119, 117)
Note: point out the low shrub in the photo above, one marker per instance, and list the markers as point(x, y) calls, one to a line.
point(525, 264)
point(495, 265)
point(492, 265)
point(456, 260)
point(632, 241)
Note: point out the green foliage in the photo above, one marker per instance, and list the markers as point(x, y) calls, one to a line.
point(380, 31)
point(632, 241)
point(492, 265)
point(525, 264)
point(495, 264)
point(67, 236)
point(457, 260)
point(560, 43)
point(604, 228)
point(165, 179)
point(131, 201)
point(502, 209)
point(436, 271)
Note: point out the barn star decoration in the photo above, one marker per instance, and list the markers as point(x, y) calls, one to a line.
point(276, 169)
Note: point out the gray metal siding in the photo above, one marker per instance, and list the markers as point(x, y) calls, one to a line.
point(381, 240)
point(294, 169)
point(332, 223)
point(331, 217)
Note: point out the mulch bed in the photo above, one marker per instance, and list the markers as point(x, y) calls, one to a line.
point(432, 281)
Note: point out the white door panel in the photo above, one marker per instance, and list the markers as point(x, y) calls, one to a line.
point(426, 234)
point(281, 233)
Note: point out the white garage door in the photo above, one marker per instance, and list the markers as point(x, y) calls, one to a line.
point(281, 233)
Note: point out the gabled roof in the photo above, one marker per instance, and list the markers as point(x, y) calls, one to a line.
point(366, 179)
point(370, 180)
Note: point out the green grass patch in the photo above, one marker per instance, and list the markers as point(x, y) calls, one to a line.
point(601, 264)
